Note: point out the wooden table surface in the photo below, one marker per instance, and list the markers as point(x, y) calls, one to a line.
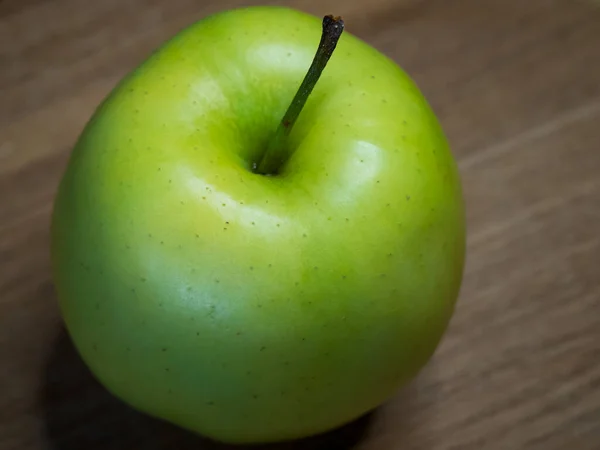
point(516, 85)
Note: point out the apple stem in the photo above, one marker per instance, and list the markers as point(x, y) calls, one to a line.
point(275, 155)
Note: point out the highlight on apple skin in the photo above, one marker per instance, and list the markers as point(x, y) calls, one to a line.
point(258, 307)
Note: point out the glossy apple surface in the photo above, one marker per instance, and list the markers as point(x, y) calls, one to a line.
point(254, 308)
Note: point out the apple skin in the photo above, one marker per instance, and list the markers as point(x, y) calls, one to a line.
point(251, 308)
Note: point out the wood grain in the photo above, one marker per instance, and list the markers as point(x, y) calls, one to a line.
point(517, 88)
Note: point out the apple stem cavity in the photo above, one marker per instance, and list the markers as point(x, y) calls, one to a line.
point(276, 153)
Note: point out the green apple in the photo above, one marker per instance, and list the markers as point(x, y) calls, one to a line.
point(255, 305)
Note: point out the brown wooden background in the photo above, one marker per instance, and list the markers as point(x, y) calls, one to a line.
point(516, 85)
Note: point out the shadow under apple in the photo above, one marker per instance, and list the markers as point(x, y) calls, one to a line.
point(81, 414)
